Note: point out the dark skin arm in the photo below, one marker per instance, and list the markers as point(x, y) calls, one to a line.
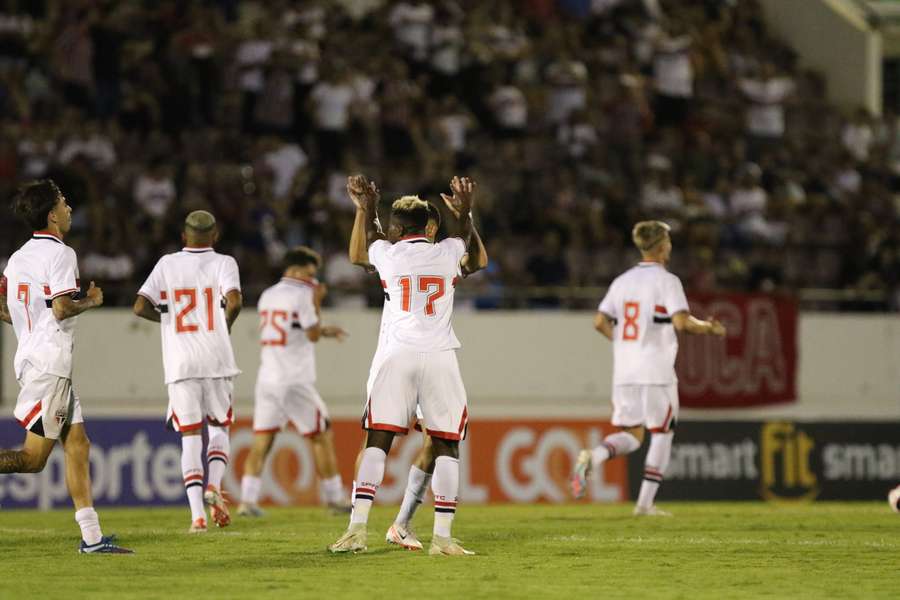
point(604, 325)
point(366, 227)
point(234, 302)
point(64, 307)
point(145, 309)
point(476, 259)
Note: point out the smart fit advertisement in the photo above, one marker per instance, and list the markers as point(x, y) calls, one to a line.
point(137, 462)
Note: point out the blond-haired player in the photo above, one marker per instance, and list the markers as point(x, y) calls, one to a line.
point(43, 278)
point(195, 296)
point(421, 470)
point(637, 315)
point(419, 366)
point(285, 392)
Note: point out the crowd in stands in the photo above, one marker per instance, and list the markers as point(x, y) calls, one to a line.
point(576, 118)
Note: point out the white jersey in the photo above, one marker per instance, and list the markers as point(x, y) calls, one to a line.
point(189, 289)
point(642, 301)
point(41, 270)
point(286, 311)
point(419, 280)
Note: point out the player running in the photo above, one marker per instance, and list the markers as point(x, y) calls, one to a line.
point(422, 468)
point(195, 295)
point(637, 315)
point(290, 326)
point(43, 276)
point(418, 363)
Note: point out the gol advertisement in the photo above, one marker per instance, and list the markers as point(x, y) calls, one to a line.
point(137, 462)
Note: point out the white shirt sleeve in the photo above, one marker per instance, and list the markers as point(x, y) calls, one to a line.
point(608, 304)
point(154, 286)
point(455, 247)
point(675, 300)
point(377, 250)
point(306, 310)
point(230, 277)
point(62, 273)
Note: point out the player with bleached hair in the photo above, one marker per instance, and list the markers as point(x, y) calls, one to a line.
point(401, 532)
point(43, 277)
point(637, 315)
point(418, 366)
point(290, 326)
point(195, 296)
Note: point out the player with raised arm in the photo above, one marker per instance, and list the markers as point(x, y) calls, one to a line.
point(195, 296)
point(637, 315)
point(418, 365)
point(290, 326)
point(43, 278)
point(422, 468)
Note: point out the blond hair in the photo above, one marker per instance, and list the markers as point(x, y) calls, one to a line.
point(409, 203)
point(647, 234)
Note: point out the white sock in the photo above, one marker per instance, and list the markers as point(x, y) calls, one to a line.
point(369, 477)
point(89, 522)
point(192, 470)
point(250, 486)
point(332, 489)
point(616, 444)
point(217, 452)
point(416, 485)
point(654, 467)
point(445, 486)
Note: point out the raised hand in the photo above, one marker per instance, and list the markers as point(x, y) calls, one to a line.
point(463, 196)
point(95, 294)
point(363, 192)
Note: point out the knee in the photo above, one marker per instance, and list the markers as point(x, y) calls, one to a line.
point(79, 447)
point(441, 447)
point(380, 439)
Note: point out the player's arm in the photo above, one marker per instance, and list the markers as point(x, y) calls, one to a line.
point(684, 321)
point(234, 302)
point(366, 226)
point(4, 309)
point(476, 260)
point(460, 206)
point(145, 309)
point(315, 332)
point(604, 324)
point(65, 307)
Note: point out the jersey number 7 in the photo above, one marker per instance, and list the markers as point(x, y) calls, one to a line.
point(191, 295)
point(428, 284)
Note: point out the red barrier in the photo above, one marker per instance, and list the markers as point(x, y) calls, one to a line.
point(756, 364)
point(501, 461)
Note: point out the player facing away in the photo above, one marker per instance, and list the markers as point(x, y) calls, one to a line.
point(290, 326)
point(422, 469)
point(418, 365)
point(42, 277)
point(195, 296)
point(637, 315)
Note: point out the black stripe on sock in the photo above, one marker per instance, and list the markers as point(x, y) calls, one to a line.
point(652, 479)
point(365, 497)
point(192, 484)
point(218, 458)
point(445, 510)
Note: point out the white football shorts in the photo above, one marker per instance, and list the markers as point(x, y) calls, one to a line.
point(46, 403)
point(653, 406)
point(429, 380)
point(298, 403)
point(191, 401)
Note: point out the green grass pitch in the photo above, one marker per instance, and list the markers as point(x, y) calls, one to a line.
point(708, 550)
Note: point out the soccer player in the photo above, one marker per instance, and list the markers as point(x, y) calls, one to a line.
point(419, 365)
point(43, 277)
point(195, 295)
point(290, 325)
point(422, 468)
point(637, 315)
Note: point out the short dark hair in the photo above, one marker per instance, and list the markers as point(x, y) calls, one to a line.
point(300, 256)
point(434, 214)
point(410, 214)
point(34, 201)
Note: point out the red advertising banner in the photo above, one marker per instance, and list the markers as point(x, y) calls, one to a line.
point(500, 461)
point(754, 365)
